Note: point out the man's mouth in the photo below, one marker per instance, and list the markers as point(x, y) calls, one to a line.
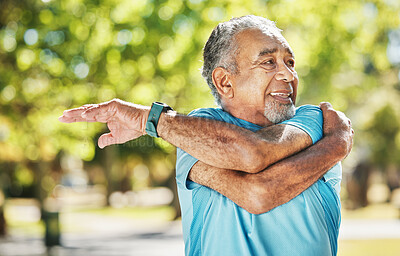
point(284, 97)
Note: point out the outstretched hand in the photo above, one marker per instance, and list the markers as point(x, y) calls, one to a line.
point(126, 121)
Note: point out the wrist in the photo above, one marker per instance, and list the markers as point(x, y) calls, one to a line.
point(156, 110)
point(163, 122)
point(339, 145)
point(145, 117)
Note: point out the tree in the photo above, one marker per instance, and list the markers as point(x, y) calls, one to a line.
point(55, 55)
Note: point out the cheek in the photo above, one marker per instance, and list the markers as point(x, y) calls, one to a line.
point(295, 85)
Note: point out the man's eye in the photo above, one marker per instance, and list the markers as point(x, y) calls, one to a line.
point(268, 62)
point(291, 63)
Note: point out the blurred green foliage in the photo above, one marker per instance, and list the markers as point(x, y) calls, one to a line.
point(56, 55)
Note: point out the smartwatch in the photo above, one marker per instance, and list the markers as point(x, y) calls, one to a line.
point(155, 112)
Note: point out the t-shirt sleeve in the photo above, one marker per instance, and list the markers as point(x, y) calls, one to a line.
point(184, 161)
point(308, 118)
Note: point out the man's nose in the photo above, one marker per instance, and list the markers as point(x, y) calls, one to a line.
point(285, 73)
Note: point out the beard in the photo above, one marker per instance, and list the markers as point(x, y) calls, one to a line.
point(277, 112)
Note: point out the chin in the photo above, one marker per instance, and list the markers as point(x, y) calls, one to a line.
point(277, 112)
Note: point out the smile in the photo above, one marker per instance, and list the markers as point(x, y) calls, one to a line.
point(282, 95)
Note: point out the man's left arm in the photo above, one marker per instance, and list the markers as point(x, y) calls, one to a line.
point(216, 143)
point(260, 192)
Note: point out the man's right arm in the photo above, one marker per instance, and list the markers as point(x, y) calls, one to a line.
point(215, 143)
point(228, 146)
point(281, 182)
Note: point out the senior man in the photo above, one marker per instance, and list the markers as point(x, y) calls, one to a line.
point(257, 153)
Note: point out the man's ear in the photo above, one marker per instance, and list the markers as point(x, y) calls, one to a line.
point(222, 81)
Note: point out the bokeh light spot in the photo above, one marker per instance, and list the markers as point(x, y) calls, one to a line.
point(56, 66)
point(81, 70)
point(393, 48)
point(196, 1)
point(216, 14)
point(46, 16)
point(138, 35)
point(31, 36)
point(25, 58)
point(165, 12)
point(113, 56)
point(46, 55)
point(370, 10)
point(4, 132)
point(124, 37)
point(9, 44)
point(166, 42)
point(54, 38)
point(8, 93)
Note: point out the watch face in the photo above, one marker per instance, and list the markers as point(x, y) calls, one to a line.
point(160, 104)
point(165, 106)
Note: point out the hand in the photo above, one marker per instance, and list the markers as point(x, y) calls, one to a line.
point(337, 124)
point(126, 121)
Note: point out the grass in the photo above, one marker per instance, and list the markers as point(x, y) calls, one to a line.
point(28, 228)
point(25, 228)
point(374, 211)
point(373, 247)
point(165, 213)
point(381, 247)
point(370, 247)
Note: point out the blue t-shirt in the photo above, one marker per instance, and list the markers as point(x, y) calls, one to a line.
point(215, 225)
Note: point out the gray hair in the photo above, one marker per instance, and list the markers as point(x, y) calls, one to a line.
point(221, 48)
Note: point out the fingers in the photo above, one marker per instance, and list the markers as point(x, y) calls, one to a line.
point(74, 114)
point(99, 113)
point(328, 110)
point(106, 140)
point(68, 120)
point(113, 113)
point(88, 113)
point(325, 106)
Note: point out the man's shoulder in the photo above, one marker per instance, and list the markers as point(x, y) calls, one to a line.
point(308, 108)
point(219, 114)
point(211, 113)
point(308, 118)
point(204, 112)
point(307, 112)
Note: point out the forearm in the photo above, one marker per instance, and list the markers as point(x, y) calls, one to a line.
point(215, 143)
point(278, 184)
point(228, 146)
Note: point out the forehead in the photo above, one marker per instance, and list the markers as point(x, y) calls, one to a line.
point(254, 42)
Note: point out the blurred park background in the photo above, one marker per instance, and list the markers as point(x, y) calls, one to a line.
point(60, 54)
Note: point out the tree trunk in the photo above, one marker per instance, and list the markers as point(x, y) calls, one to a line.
point(50, 210)
point(2, 222)
point(357, 186)
point(108, 160)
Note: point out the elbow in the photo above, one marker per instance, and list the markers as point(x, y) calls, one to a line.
point(264, 194)
point(259, 199)
point(267, 201)
point(255, 160)
point(259, 205)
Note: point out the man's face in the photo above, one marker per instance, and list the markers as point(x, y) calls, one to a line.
point(265, 85)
